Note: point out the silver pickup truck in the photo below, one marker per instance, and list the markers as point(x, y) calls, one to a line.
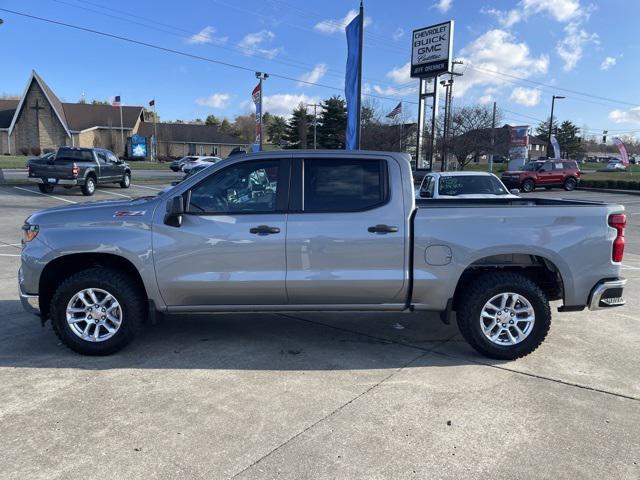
point(319, 231)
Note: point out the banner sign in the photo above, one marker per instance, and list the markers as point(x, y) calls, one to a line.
point(556, 147)
point(519, 136)
point(622, 149)
point(431, 50)
point(257, 99)
point(352, 80)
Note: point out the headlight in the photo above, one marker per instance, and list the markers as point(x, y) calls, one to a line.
point(29, 232)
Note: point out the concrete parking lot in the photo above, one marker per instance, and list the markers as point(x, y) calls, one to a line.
point(316, 395)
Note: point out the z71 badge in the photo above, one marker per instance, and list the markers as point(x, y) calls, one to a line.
point(129, 213)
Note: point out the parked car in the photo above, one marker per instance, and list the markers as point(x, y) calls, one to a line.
point(616, 165)
point(547, 173)
point(178, 165)
point(319, 230)
point(189, 164)
point(463, 185)
point(83, 167)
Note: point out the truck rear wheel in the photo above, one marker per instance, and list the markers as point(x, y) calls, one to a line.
point(126, 181)
point(570, 184)
point(45, 187)
point(504, 315)
point(89, 187)
point(97, 311)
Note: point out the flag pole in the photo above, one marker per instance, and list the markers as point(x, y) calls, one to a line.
point(155, 130)
point(359, 114)
point(401, 123)
point(124, 150)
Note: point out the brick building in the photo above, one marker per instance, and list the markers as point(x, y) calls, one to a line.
point(39, 121)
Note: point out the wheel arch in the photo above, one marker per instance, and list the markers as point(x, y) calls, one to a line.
point(63, 267)
point(540, 269)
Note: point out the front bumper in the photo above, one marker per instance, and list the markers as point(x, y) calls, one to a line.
point(31, 303)
point(61, 181)
point(607, 294)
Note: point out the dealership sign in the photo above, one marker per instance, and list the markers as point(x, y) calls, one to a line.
point(431, 50)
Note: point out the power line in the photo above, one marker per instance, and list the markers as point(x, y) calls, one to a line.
point(186, 54)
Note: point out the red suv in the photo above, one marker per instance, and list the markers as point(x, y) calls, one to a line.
point(544, 173)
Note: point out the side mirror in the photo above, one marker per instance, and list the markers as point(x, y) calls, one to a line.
point(175, 210)
point(514, 191)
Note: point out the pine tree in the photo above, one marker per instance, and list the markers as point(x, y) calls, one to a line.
point(212, 120)
point(298, 128)
point(570, 140)
point(275, 128)
point(332, 123)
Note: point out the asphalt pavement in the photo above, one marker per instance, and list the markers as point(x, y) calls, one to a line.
point(375, 396)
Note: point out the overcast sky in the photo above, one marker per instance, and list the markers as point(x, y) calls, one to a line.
point(588, 47)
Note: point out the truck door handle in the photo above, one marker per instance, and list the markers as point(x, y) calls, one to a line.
point(382, 229)
point(264, 230)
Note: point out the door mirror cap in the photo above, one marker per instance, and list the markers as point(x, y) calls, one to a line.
point(514, 191)
point(175, 210)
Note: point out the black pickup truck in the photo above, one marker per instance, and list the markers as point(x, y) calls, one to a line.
point(84, 167)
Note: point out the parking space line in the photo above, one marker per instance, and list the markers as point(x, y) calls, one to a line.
point(148, 188)
point(114, 193)
point(45, 194)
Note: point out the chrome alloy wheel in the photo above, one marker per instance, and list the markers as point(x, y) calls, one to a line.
point(507, 319)
point(94, 315)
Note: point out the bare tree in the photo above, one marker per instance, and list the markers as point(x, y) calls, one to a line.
point(471, 133)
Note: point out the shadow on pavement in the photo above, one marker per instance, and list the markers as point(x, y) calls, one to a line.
point(332, 341)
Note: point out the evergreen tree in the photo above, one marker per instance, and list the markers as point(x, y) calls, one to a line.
point(275, 128)
point(569, 139)
point(332, 123)
point(226, 127)
point(542, 130)
point(212, 120)
point(299, 128)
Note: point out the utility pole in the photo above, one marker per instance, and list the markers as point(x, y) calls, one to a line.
point(493, 137)
point(260, 76)
point(553, 103)
point(448, 104)
point(315, 123)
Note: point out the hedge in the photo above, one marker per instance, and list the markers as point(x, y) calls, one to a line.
point(613, 184)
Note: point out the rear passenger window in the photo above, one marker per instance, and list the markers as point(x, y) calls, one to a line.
point(344, 185)
point(570, 165)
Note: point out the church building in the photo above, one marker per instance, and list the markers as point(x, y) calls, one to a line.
point(40, 122)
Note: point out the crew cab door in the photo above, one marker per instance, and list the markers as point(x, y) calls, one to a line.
point(346, 233)
point(230, 247)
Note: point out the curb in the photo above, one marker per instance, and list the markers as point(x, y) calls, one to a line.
point(609, 190)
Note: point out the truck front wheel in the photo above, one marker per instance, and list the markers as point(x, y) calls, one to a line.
point(97, 311)
point(528, 186)
point(504, 315)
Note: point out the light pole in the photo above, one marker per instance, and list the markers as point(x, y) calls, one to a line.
point(553, 103)
point(260, 76)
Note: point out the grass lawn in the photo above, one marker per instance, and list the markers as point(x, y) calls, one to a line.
point(10, 161)
point(588, 171)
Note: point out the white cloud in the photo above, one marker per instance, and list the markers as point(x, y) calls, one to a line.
point(314, 75)
point(334, 26)
point(497, 51)
point(528, 97)
point(398, 34)
point(252, 43)
point(559, 10)
point(485, 99)
point(608, 62)
point(571, 48)
point(401, 74)
point(216, 100)
point(629, 116)
point(206, 36)
point(280, 103)
point(444, 5)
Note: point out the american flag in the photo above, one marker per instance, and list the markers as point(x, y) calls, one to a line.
point(393, 113)
point(116, 101)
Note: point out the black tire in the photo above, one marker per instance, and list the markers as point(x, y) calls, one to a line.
point(89, 187)
point(528, 186)
point(122, 287)
point(126, 180)
point(45, 187)
point(570, 184)
point(484, 288)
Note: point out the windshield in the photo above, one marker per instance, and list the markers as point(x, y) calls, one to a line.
point(470, 185)
point(532, 167)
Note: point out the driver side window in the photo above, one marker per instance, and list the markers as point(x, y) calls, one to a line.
point(248, 187)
